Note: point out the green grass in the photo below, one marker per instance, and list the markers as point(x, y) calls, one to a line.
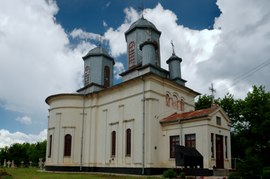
point(33, 173)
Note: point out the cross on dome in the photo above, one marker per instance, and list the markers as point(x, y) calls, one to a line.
point(173, 52)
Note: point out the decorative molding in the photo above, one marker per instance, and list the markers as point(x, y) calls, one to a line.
point(154, 99)
point(113, 123)
point(128, 120)
point(68, 127)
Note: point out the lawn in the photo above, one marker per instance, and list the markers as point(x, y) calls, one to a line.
point(33, 173)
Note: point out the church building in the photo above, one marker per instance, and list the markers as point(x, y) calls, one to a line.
point(133, 126)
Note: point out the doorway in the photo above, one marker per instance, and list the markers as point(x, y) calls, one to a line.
point(219, 152)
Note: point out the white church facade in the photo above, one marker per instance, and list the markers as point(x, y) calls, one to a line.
point(133, 127)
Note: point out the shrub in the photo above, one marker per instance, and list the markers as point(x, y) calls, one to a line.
point(182, 175)
point(234, 176)
point(170, 173)
point(266, 172)
point(3, 173)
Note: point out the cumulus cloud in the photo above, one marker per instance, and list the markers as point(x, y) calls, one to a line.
point(7, 138)
point(24, 120)
point(116, 37)
point(118, 68)
point(79, 33)
point(243, 47)
point(36, 57)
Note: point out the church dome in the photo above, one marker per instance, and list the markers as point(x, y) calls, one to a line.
point(98, 51)
point(142, 23)
point(173, 57)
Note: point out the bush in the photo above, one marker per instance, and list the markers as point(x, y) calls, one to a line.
point(3, 173)
point(250, 167)
point(266, 172)
point(182, 175)
point(234, 176)
point(170, 173)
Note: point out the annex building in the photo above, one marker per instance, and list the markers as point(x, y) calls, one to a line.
point(133, 127)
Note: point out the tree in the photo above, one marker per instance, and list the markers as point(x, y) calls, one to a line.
point(24, 152)
point(203, 102)
point(256, 115)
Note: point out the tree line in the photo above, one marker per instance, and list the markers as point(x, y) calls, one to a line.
point(250, 132)
point(25, 153)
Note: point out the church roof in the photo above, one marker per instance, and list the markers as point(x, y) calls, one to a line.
point(174, 57)
point(142, 23)
point(98, 51)
point(190, 115)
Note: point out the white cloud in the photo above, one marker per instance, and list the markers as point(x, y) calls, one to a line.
point(36, 57)
point(7, 138)
point(116, 37)
point(24, 120)
point(243, 45)
point(79, 33)
point(118, 68)
point(105, 24)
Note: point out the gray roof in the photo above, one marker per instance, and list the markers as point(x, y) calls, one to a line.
point(174, 57)
point(98, 51)
point(143, 24)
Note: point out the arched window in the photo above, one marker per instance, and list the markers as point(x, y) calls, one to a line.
point(182, 105)
point(67, 145)
point(113, 143)
point(174, 101)
point(107, 76)
point(86, 75)
point(168, 100)
point(50, 146)
point(131, 54)
point(128, 142)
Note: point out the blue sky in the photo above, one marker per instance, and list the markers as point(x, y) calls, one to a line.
point(73, 14)
point(42, 42)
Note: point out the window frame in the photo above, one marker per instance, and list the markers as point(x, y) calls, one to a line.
point(128, 142)
point(67, 145)
point(50, 146)
point(113, 143)
point(190, 140)
point(182, 105)
point(174, 140)
point(131, 54)
point(107, 76)
point(218, 120)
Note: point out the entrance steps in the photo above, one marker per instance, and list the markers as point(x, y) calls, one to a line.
point(221, 172)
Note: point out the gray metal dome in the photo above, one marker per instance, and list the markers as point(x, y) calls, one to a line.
point(98, 51)
point(142, 23)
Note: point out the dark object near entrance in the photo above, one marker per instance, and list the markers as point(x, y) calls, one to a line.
point(188, 157)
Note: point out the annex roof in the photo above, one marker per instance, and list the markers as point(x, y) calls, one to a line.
point(190, 115)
